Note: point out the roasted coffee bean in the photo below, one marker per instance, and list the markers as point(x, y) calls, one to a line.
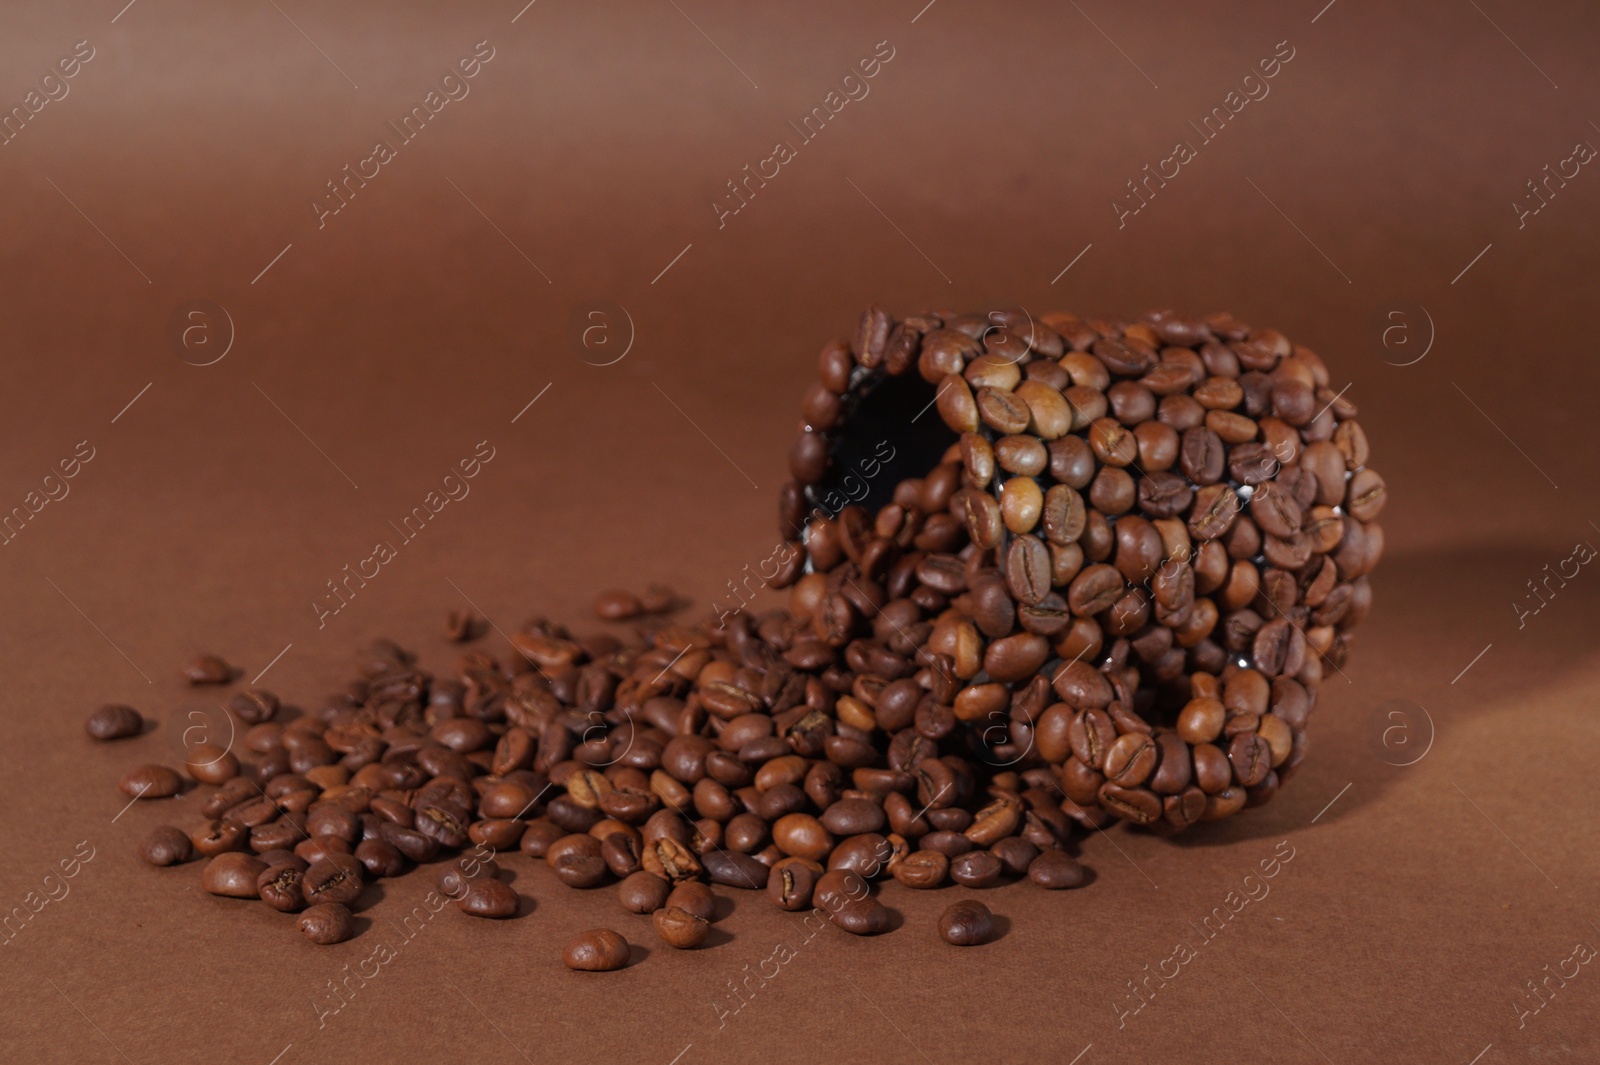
point(597, 950)
point(617, 605)
point(922, 869)
point(166, 845)
point(852, 817)
point(643, 892)
point(114, 722)
point(381, 859)
point(1094, 590)
point(487, 897)
point(208, 669)
point(254, 706)
point(1055, 870)
point(1131, 804)
point(861, 917)
point(680, 929)
point(696, 897)
point(1016, 854)
point(792, 882)
point(803, 836)
point(152, 782)
point(975, 869)
point(327, 923)
point(280, 888)
point(1028, 569)
point(334, 878)
point(233, 875)
point(966, 924)
point(1251, 758)
point(732, 869)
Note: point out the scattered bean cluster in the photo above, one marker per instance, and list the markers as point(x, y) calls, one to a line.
point(1112, 596)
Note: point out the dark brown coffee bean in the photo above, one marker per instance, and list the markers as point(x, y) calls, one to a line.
point(218, 837)
point(334, 878)
point(1016, 658)
point(643, 892)
point(792, 882)
point(802, 836)
point(922, 869)
point(680, 929)
point(151, 782)
point(280, 888)
point(733, 869)
point(975, 869)
point(166, 845)
point(966, 924)
point(1028, 569)
point(381, 859)
point(327, 923)
point(1272, 645)
point(1131, 759)
point(617, 605)
point(852, 817)
point(487, 897)
point(1251, 758)
point(1131, 804)
point(598, 950)
point(696, 897)
point(233, 875)
point(1094, 590)
point(1366, 495)
point(1276, 511)
point(1055, 870)
point(114, 722)
point(254, 706)
point(861, 917)
point(1202, 456)
point(208, 669)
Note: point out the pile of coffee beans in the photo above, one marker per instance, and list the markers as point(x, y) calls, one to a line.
point(1104, 588)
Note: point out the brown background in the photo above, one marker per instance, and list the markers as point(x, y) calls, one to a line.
point(1416, 908)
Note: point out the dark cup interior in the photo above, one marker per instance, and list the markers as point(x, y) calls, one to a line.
point(889, 431)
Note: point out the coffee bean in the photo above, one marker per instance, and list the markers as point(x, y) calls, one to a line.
point(975, 869)
point(254, 706)
point(114, 722)
point(679, 928)
point(233, 875)
point(1131, 759)
point(862, 917)
point(852, 817)
point(1131, 804)
point(732, 869)
point(1054, 871)
point(1094, 589)
point(487, 897)
point(966, 924)
point(281, 888)
point(695, 897)
point(327, 923)
point(208, 669)
point(151, 782)
point(922, 869)
point(1251, 758)
point(1028, 569)
point(166, 845)
point(803, 836)
point(381, 859)
point(792, 883)
point(598, 950)
point(210, 764)
point(334, 878)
